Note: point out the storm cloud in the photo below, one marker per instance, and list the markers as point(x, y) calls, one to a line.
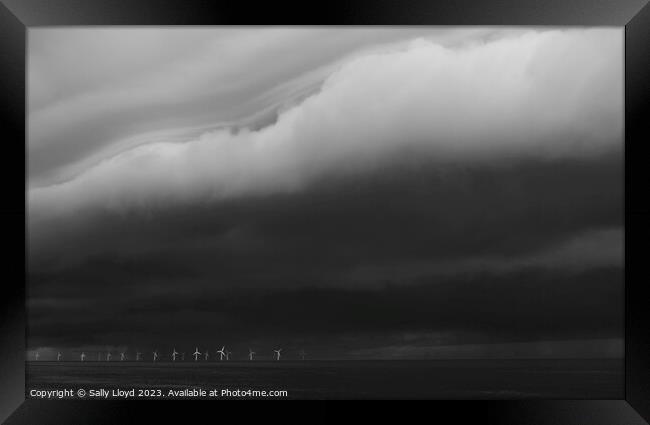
point(540, 95)
point(462, 183)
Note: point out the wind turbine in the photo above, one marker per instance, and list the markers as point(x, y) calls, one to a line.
point(250, 354)
point(36, 356)
point(302, 355)
point(155, 355)
point(207, 355)
point(137, 356)
point(222, 353)
point(174, 354)
point(196, 354)
point(183, 357)
point(228, 353)
point(108, 357)
point(83, 356)
point(58, 356)
point(122, 356)
point(277, 352)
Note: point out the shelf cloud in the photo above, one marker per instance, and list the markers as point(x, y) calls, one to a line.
point(538, 95)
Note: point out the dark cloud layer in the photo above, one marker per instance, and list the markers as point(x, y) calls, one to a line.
point(407, 211)
point(299, 265)
point(528, 305)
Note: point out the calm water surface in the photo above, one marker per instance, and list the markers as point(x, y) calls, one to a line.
point(440, 379)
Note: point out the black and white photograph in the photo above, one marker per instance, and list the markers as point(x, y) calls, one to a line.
point(362, 212)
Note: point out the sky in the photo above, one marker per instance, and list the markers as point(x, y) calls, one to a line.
point(369, 192)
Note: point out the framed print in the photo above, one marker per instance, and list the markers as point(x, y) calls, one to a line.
point(371, 201)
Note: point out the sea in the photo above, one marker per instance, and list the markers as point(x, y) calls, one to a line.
point(330, 379)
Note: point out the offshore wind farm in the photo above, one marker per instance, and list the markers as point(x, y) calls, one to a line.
point(107, 355)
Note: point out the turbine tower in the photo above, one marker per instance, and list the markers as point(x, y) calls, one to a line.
point(277, 353)
point(196, 354)
point(250, 354)
point(222, 353)
point(174, 354)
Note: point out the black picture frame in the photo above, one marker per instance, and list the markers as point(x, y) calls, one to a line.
point(16, 16)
